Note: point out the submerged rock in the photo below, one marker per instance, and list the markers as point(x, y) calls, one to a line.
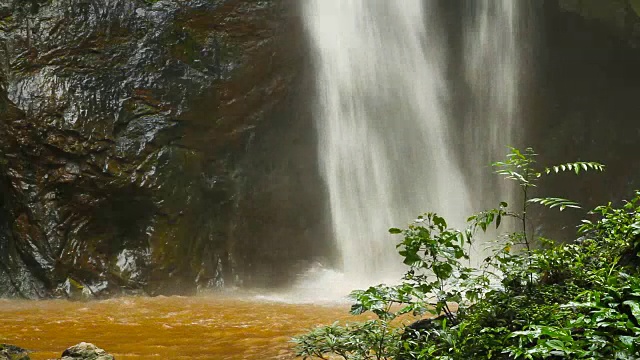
point(85, 351)
point(11, 352)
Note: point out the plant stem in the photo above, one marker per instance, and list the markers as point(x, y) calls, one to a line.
point(380, 346)
point(524, 220)
point(525, 200)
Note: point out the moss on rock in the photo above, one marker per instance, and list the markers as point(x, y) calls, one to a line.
point(12, 352)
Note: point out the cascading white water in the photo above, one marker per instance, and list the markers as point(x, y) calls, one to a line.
point(386, 139)
point(493, 48)
point(382, 126)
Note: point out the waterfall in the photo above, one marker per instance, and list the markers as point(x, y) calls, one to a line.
point(388, 147)
point(493, 48)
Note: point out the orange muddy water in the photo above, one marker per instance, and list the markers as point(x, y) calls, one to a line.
point(212, 327)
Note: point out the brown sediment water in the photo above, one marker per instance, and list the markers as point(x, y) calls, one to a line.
point(204, 327)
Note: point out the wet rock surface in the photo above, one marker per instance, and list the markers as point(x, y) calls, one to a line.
point(85, 351)
point(11, 352)
point(163, 146)
point(131, 140)
point(584, 106)
point(618, 17)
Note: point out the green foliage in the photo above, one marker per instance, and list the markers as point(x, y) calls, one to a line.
point(557, 301)
point(361, 341)
point(576, 167)
point(552, 202)
point(621, 223)
point(521, 167)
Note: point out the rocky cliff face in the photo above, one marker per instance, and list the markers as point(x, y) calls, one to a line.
point(130, 141)
point(583, 104)
point(164, 146)
point(618, 17)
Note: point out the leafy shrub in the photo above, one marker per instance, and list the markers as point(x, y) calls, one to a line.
point(529, 300)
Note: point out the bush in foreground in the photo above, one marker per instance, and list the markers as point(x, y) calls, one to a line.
point(531, 299)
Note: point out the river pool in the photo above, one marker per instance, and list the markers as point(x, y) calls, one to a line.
point(203, 327)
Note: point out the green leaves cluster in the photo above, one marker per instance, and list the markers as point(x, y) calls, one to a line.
point(520, 166)
point(369, 340)
point(544, 301)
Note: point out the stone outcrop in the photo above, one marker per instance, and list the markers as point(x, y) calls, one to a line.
point(81, 351)
point(132, 146)
point(11, 352)
point(85, 351)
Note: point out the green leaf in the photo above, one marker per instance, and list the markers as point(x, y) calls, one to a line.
point(556, 333)
point(556, 344)
point(635, 308)
point(576, 167)
point(395, 231)
point(627, 340)
point(552, 202)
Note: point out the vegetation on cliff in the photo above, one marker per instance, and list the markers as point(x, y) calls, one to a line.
point(531, 298)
